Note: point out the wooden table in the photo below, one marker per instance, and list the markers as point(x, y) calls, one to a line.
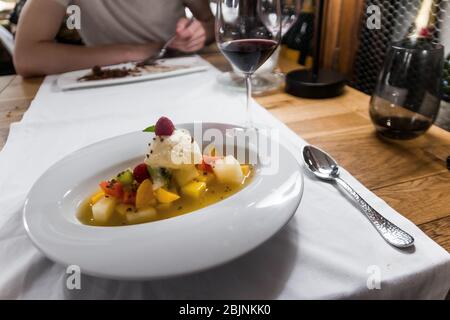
point(411, 176)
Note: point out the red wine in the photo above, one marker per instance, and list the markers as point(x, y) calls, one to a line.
point(401, 128)
point(248, 54)
point(396, 122)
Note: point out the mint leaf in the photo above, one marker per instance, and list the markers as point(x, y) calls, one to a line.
point(149, 129)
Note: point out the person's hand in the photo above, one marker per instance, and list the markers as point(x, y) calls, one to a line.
point(189, 38)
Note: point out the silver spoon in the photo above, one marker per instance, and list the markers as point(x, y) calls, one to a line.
point(326, 168)
point(161, 53)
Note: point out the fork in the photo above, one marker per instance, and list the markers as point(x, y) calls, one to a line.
point(151, 60)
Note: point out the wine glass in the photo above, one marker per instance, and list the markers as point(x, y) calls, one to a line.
point(265, 78)
point(290, 10)
point(247, 35)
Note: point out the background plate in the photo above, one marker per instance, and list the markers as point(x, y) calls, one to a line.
point(68, 81)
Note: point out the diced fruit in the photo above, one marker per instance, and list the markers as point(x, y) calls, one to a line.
point(245, 170)
point(123, 209)
point(205, 177)
point(205, 167)
point(125, 178)
point(129, 197)
point(228, 170)
point(210, 159)
point(194, 189)
point(103, 209)
point(144, 196)
point(207, 163)
point(140, 173)
point(185, 175)
point(164, 127)
point(96, 197)
point(165, 196)
point(112, 188)
point(145, 215)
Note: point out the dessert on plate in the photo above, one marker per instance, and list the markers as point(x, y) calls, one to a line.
point(174, 178)
point(103, 73)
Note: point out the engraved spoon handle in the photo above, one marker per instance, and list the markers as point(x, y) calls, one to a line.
point(389, 231)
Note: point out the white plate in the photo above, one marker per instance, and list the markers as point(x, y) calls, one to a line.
point(184, 244)
point(68, 81)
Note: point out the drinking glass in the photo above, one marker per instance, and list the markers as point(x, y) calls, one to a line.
point(287, 12)
point(408, 94)
point(247, 35)
point(266, 78)
point(290, 11)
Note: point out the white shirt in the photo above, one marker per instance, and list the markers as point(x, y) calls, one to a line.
point(127, 21)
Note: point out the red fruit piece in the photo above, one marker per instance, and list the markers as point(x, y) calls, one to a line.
point(112, 188)
point(164, 127)
point(205, 167)
point(140, 173)
point(129, 197)
point(207, 163)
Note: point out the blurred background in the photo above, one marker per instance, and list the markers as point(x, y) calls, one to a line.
point(348, 46)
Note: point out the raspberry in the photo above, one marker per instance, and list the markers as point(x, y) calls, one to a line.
point(164, 127)
point(140, 173)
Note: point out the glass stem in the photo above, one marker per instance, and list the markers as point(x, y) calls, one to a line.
point(248, 85)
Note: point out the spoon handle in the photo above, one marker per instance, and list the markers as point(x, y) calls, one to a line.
point(389, 231)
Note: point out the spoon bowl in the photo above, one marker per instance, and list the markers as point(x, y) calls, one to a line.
point(320, 163)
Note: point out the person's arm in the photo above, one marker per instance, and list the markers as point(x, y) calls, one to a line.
point(36, 53)
point(200, 32)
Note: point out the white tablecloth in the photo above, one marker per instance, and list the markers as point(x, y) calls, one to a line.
point(328, 250)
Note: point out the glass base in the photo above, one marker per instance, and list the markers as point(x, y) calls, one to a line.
point(398, 128)
point(399, 134)
point(261, 83)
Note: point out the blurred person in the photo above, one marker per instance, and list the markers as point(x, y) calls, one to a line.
point(113, 31)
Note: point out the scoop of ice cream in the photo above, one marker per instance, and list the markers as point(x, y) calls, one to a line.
point(173, 152)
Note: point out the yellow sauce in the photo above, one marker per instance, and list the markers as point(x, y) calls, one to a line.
point(214, 193)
